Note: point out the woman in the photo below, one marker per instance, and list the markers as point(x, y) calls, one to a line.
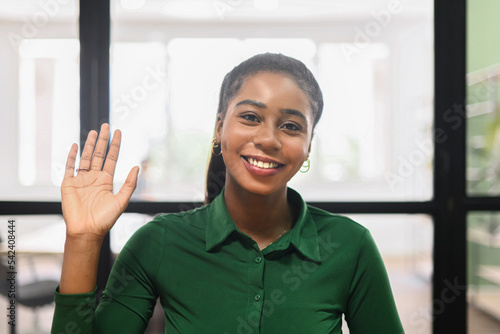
point(255, 259)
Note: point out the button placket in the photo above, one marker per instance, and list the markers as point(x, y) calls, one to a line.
point(259, 260)
point(256, 296)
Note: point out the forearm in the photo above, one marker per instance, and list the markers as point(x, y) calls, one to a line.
point(80, 261)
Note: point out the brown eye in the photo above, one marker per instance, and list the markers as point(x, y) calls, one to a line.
point(291, 127)
point(250, 118)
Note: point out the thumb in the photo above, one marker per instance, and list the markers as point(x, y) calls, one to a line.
point(128, 187)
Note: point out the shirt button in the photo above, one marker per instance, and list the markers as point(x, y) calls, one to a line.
point(258, 259)
point(256, 297)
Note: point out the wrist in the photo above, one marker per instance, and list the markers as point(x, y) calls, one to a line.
point(80, 261)
point(83, 243)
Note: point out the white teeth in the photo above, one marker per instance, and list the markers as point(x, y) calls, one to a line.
point(263, 165)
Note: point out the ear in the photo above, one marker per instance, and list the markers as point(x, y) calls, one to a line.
point(218, 127)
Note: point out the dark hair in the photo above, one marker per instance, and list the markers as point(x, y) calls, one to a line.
point(266, 62)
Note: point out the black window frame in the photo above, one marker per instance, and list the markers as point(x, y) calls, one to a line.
point(448, 208)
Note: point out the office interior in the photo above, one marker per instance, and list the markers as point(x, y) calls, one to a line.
point(407, 145)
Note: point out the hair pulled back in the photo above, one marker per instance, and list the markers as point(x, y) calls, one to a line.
point(266, 62)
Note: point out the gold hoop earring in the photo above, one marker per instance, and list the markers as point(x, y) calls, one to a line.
point(215, 145)
point(306, 165)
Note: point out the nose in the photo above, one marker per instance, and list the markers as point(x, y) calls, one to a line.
point(267, 138)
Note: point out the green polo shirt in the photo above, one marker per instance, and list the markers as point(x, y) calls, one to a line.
point(213, 279)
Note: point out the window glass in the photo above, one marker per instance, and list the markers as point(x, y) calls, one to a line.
point(375, 67)
point(482, 115)
point(38, 243)
point(483, 247)
point(40, 95)
point(483, 99)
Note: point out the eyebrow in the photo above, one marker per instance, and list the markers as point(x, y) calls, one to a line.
point(252, 103)
point(262, 105)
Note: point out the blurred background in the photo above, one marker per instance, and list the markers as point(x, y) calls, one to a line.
point(375, 142)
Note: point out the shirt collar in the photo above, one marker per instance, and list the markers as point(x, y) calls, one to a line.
point(303, 236)
point(219, 225)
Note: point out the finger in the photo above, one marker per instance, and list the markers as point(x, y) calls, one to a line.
point(87, 150)
point(114, 150)
point(128, 188)
point(100, 149)
point(70, 162)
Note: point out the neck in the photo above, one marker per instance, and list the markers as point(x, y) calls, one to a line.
point(263, 217)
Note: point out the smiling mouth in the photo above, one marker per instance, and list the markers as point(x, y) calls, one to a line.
point(262, 164)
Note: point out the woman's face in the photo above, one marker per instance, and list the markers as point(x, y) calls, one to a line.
point(266, 133)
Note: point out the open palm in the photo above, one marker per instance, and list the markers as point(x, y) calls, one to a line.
point(89, 206)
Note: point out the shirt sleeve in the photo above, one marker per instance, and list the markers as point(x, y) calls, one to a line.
point(128, 301)
point(371, 307)
point(73, 313)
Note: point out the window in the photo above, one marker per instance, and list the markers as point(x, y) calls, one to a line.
point(40, 93)
point(48, 110)
point(399, 123)
point(483, 186)
point(374, 141)
point(40, 119)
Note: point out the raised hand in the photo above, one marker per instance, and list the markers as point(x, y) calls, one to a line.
point(89, 206)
